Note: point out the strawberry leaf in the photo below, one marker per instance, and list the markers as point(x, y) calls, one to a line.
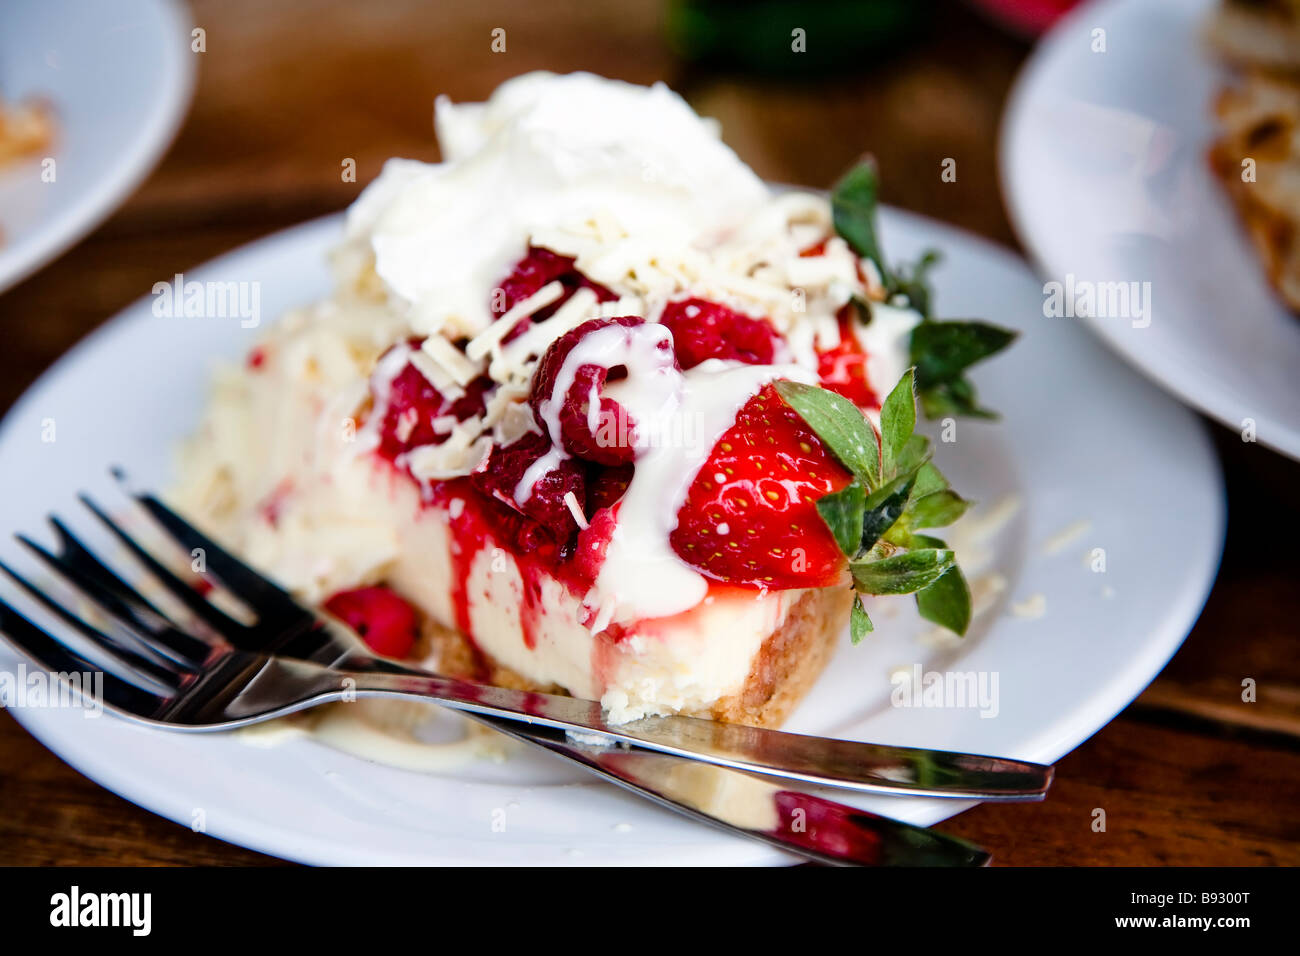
point(946, 602)
point(859, 623)
point(897, 422)
point(914, 282)
point(853, 209)
point(904, 573)
point(914, 454)
point(928, 480)
point(842, 511)
point(862, 308)
point(953, 398)
point(881, 510)
point(941, 353)
point(896, 490)
point(937, 509)
point(839, 424)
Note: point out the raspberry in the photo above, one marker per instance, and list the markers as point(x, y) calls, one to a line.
point(545, 507)
point(386, 622)
point(535, 270)
point(612, 441)
point(605, 486)
point(413, 404)
point(593, 542)
point(704, 330)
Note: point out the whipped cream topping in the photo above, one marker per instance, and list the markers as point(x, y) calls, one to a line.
point(550, 153)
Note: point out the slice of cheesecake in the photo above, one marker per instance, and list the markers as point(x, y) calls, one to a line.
point(592, 410)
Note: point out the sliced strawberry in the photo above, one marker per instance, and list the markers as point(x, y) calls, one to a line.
point(750, 517)
point(611, 441)
point(704, 330)
point(387, 623)
point(414, 404)
point(539, 268)
point(843, 369)
point(545, 506)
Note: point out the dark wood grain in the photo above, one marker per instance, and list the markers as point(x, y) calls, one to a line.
point(1188, 774)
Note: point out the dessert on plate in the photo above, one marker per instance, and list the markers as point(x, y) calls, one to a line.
point(26, 128)
point(1256, 154)
point(594, 410)
point(1258, 34)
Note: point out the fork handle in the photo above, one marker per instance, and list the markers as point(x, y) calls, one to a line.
point(866, 767)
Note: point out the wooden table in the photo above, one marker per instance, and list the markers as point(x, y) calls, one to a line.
point(1188, 774)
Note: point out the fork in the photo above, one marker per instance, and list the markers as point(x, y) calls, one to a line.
point(169, 677)
point(286, 629)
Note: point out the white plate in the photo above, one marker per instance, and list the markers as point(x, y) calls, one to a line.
point(1106, 176)
point(118, 74)
point(1083, 439)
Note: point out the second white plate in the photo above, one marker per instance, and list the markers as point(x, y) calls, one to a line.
point(118, 76)
point(1105, 174)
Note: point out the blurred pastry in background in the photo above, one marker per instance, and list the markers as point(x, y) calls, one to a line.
point(1258, 34)
point(1257, 152)
point(26, 128)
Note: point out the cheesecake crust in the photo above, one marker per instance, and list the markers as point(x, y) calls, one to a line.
point(790, 660)
point(787, 664)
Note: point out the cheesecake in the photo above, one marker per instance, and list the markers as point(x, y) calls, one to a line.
point(594, 410)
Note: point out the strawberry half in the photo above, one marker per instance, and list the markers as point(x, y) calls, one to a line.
point(750, 517)
point(704, 330)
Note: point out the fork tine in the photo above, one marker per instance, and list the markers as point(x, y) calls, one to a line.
point(206, 611)
point(78, 556)
point(56, 658)
point(251, 586)
point(79, 566)
point(151, 633)
point(169, 675)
